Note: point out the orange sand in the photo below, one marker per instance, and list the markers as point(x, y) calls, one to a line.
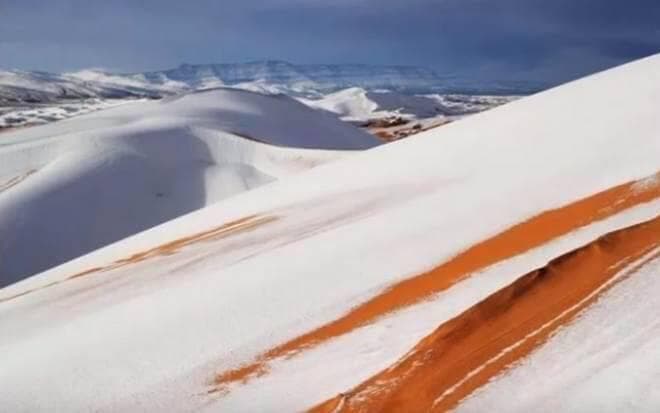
point(396, 132)
point(223, 231)
point(516, 240)
point(467, 351)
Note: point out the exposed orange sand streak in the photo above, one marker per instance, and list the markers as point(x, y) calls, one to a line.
point(467, 351)
point(173, 247)
point(16, 180)
point(516, 240)
point(223, 231)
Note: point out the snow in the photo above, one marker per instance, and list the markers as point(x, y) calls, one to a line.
point(101, 77)
point(298, 378)
point(30, 115)
point(359, 105)
point(352, 91)
point(21, 87)
point(350, 104)
point(151, 335)
point(304, 80)
point(126, 169)
point(606, 361)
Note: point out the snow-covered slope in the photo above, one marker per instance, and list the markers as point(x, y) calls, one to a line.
point(347, 287)
point(282, 77)
point(606, 361)
point(19, 87)
point(29, 98)
point(24, 115)
point(159, 85)
point(357, 93)
point(76, 185)
point(358, 104)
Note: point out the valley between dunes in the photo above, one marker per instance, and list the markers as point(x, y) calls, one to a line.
point(507, 261)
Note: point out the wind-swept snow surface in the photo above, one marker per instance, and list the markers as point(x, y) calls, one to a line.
point(318, 291)
point(355, 92)
point(358, 104)
point(74, 186)
point(606, 361)
point(390, 115)
point(20, 87)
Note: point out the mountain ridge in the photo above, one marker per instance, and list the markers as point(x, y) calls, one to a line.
point(266, 76)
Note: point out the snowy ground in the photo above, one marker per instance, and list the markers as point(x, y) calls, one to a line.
point(392, 115)
point(607, 361)
point(122, 170)
point(357, 93)
point(360, 105)
point(31, 115)
point(151, 322)
point(372, 110)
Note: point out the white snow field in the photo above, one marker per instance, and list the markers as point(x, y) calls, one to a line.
point(358, 105)
point(71, 187)
point(23, 87)
point(31, 115)
point(607, 361)
point(148, 323)
point(357, 93)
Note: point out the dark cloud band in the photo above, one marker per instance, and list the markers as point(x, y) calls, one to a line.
point(479, 38)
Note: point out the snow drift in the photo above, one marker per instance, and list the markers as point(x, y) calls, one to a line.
point(303, 291)
point(76, 185)
point(359, 105)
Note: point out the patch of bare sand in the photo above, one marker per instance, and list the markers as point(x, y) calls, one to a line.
point(467, 351)
point(223, 231)
point(516, 240)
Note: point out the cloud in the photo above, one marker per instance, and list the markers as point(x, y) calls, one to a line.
point(457, 36)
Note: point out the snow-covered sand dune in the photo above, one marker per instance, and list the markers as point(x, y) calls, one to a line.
point(313, 288)
point(74, 186)
point(359, 105)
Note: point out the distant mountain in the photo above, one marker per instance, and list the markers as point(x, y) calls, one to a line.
point(19, 87)
point(302, 78)
point(263, 76)
point(360, 105)
point(280, 76)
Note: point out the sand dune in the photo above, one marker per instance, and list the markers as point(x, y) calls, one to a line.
point(479, 244)
point(466, 352)
point(123, 170)
point(516, 240)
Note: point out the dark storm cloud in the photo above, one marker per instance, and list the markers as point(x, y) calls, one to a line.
point(496, 39)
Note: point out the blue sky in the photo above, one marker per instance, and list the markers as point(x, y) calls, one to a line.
point(543, 40)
